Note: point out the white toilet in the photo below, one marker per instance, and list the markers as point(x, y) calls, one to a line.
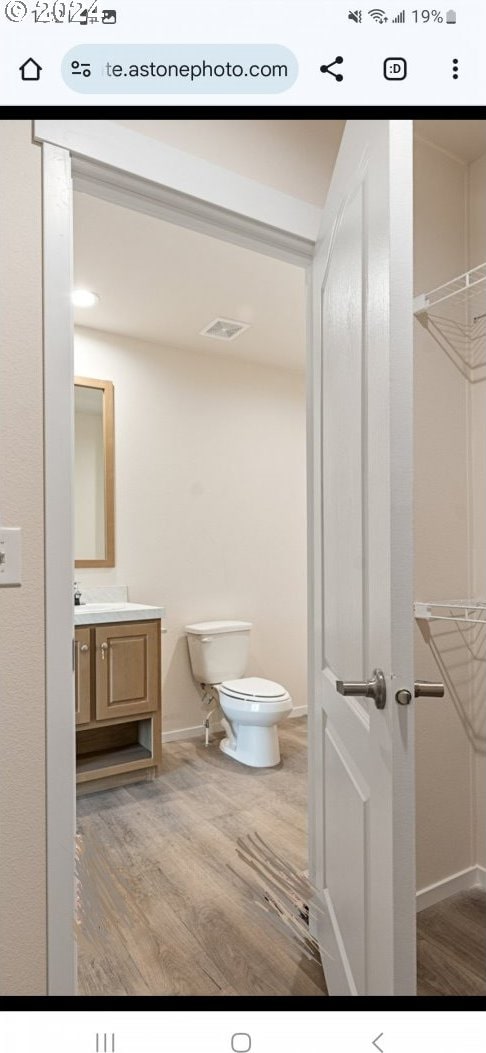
point(252, 706)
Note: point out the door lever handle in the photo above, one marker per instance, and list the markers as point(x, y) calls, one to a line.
point(421, 689)
point(428, 689)
point(374, 688)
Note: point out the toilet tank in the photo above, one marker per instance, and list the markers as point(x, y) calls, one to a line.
point(218, 650)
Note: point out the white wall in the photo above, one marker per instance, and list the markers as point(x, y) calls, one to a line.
point(444, 757)
point(210, 502)
point(22, 694)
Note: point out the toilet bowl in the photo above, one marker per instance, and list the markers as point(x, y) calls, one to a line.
point(252, 706)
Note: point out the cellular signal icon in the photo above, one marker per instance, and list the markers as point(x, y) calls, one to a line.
point(356, 16)
point(400, 17)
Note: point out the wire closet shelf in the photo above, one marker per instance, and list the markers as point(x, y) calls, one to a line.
point(471, 612)
point(455, 315)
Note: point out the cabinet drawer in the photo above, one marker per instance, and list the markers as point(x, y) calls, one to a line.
point(127, 669)
point(82, 675)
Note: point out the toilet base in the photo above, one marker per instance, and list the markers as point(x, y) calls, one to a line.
point(255, 746)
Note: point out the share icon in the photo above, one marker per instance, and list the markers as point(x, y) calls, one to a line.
point(328, 69)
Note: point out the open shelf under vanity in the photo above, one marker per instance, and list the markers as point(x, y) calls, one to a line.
point(114, 749)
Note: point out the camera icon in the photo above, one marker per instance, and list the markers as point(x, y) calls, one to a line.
point(395, 69)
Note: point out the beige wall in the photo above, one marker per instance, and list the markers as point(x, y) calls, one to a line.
point(210, 502)
point(477, 212)
point(477, 249)
point(444, 759)
point(22, 702)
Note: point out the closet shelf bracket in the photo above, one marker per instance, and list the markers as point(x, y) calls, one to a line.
point(455, 316)
point(471, 612)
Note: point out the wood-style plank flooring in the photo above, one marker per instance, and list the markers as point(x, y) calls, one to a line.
point(161, 913)
point(451, 946)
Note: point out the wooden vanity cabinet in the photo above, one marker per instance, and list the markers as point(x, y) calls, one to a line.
point(118, 702)
point(127, 669)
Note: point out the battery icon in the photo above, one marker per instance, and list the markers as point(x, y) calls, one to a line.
point(451, 18)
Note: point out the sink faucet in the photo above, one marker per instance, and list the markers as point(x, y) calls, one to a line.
point(77, 595)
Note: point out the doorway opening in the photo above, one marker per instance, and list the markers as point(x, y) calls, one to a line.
point(209, 525)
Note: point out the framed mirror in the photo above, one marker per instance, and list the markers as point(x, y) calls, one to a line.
point(94, 473)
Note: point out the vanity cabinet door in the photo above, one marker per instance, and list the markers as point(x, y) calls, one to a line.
point(127, 669)
point(82, 675)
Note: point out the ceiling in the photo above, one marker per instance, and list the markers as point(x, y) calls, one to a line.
point(463, 139)
point(162, 283)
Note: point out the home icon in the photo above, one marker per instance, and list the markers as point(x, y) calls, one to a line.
point(30, 70)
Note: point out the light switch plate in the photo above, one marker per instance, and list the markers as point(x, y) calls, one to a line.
point(10, 556)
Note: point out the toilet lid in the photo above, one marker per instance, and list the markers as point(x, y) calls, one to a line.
point(255, 687)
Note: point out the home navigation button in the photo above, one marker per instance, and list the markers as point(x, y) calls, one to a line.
point(241, 1042)
point(30, 69)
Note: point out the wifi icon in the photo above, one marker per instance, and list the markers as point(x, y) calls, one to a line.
point(378, 15)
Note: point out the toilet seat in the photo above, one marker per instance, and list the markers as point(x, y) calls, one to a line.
point(254, 689)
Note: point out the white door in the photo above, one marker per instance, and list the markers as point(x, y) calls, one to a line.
point(362, 830)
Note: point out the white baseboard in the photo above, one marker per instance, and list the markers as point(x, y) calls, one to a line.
point(461, 882)
point(198, 730)
point(298, 711)
point(184, 733)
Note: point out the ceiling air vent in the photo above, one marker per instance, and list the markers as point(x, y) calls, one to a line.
point(224, 329)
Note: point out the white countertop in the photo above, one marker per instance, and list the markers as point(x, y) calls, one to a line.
point(108, 613)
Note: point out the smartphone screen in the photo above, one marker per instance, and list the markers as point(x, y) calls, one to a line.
point(235, 841)
point(271, 53)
